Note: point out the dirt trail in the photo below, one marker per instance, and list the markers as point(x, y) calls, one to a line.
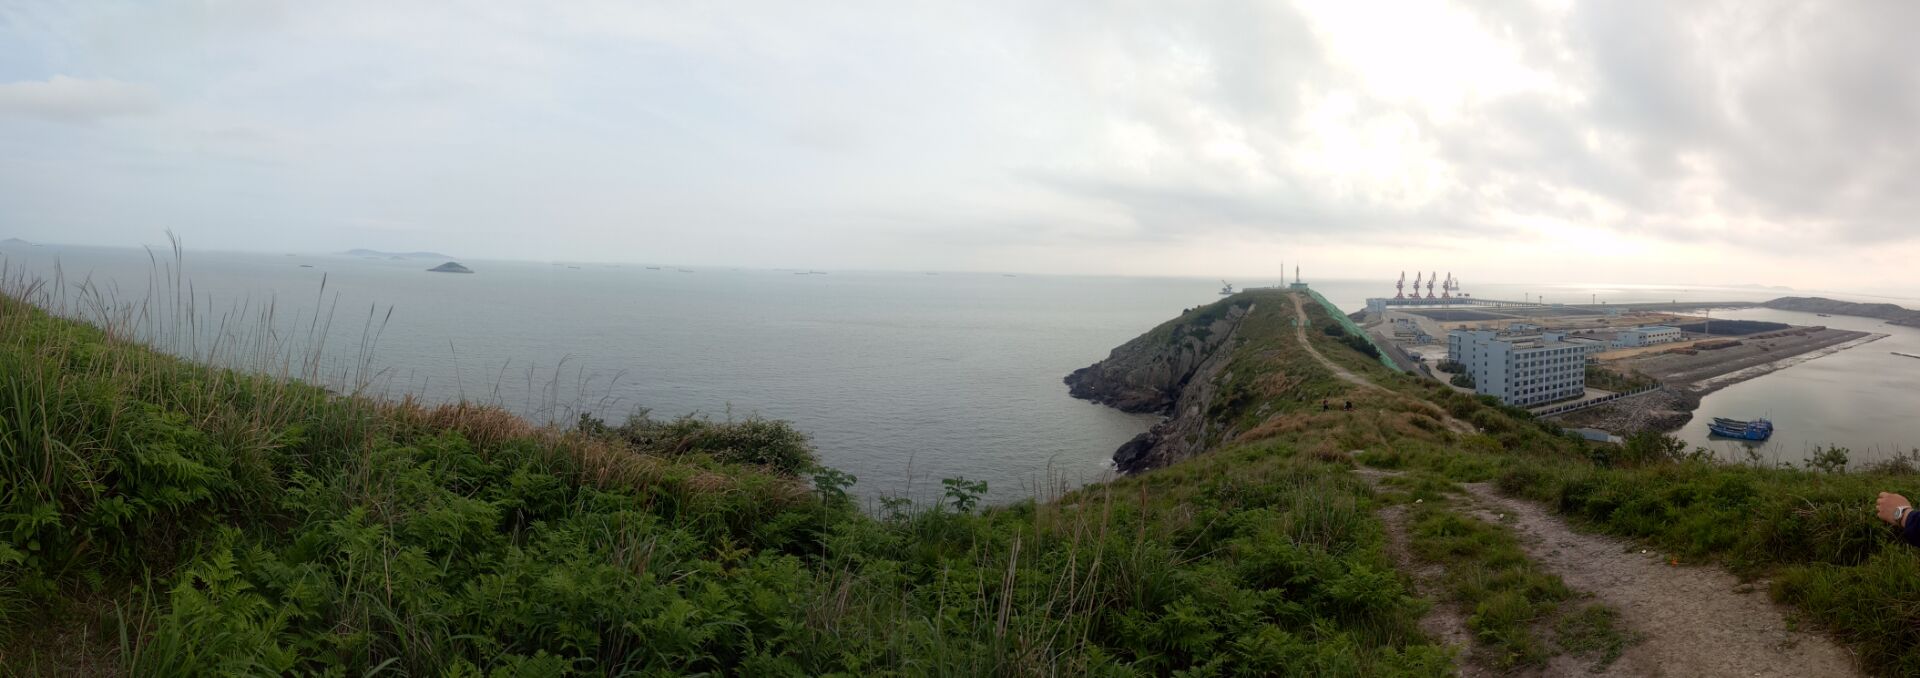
point(1300, 332)
point(1691, 621)
point(1694, 621)
point(1445, 622)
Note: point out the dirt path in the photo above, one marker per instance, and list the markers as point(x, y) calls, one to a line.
point(1300, 332)
point(1695, 621)
point(1691, 621)
point(1445, 622)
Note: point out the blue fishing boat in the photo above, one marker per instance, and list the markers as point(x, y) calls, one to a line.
point(1758, 429)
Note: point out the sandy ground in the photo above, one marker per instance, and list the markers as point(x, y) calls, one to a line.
point(1689, 371)
point(1687, 620)
point(1663, 410)
point(1689, 378)
point(1717, 382)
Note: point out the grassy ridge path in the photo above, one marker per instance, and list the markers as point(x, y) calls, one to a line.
point(1689, 620)
point(1300, 332)
point(1694, 620)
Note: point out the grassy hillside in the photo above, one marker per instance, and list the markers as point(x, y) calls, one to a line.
point(164, 518)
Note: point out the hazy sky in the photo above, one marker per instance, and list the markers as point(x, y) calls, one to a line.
point(1747, 141)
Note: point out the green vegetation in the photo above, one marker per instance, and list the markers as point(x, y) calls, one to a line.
point(163, 518)
point(1353, 341)
point(1811, 531)
point(1461, 380)
point(1356, 342)
point(159, 517)
point(1609, 380)
point(1506, 595)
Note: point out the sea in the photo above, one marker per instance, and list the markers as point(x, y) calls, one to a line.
point(901, 379)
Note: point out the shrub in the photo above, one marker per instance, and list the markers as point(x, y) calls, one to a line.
point(1360, 344)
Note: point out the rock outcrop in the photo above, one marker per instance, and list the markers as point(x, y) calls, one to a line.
point(1171, 371)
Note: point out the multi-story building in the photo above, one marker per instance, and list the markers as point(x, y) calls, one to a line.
point(1521, 371)
point(1646, 335)
point(1590, 346)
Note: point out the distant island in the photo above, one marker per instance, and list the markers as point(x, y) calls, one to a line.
point(450, 267)
point(14, 241)
point(1893, 314)
point(401, 255)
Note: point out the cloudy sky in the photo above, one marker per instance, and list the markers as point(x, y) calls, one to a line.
point(1747, 141)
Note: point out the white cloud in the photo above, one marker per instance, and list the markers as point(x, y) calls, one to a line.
point(66, 99)
point(920, 135)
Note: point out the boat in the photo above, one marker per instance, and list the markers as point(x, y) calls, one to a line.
point(1758, 429)
point(1227, 290)
point(1823, 315)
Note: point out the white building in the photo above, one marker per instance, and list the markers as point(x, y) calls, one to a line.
point(1590, 346)
point(1646, 335)
point(1521, 371)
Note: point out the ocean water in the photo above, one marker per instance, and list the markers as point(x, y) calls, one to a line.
point(1862, 398)
point(901, 379)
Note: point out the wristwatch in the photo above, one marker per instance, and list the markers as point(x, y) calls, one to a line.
point(1900, 514)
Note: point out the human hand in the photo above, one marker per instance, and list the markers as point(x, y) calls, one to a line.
point(1885, 505)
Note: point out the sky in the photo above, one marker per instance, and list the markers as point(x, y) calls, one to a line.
point(1738, 142)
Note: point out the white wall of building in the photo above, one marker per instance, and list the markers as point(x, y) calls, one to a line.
point(1520, 371)
point(1646, 336)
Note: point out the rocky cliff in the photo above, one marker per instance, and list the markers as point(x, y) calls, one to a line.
point(1888, 312)
point(1171, 371)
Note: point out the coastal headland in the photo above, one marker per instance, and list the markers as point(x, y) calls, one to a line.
point(1304, 510)
point(1263, 364)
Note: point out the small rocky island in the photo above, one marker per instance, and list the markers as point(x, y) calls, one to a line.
point(450, 267)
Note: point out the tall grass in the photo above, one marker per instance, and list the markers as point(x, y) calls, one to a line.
point(212, 491)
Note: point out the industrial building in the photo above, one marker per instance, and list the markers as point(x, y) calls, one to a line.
point(1647, 335)
point(1589, 346)
point(1521, 371)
